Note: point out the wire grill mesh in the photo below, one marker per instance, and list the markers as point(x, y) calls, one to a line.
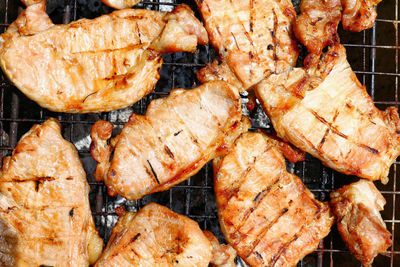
point(373, 54)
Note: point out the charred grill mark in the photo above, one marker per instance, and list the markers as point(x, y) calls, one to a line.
point(234, 38)
point(370, 149)
point(273, 35)
point(321, 143)
point(265, 230)
point(336, 131)
point(139, 35)
point(330, 126)
point(282, 250)
point(236, 187)
point(187, 130)
point(9, 209)
point(248, 36)
point(169, 152)
point(37, 185)
point(83, 101)
point(39, 179)
point(135, 237)
point(284, 247)
point(258, 255)
point(251, 15)
point(321, 119)
point(298, 89)
point(257, 200)
point(194, 140)
point(153, 172)
point(336, 115)
point(127, 48)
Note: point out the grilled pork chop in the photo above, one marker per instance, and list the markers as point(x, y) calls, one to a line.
point(360, 224)
point(253, 39)
point(325, 111)
point(156, 236)
point(176, 137)
point(316, 26)
point(120, 4)
point(359, 15)
point(265, 212)
point(45, 217)
point(94, 65)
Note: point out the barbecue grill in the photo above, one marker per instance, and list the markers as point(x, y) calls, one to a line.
point(373, 54)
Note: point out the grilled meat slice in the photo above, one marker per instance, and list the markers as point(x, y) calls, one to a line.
point(157, 236)
point(176, 137)
point(222, 255)
point(265, 212)
point(120, 4)
point(45, 217)
point(316, 26)
point(88, 66)
point(325, 111)
point(358, 15)
point(253, 39)
point(360, 224)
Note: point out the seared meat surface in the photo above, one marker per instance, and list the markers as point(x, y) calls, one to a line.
point(120, 4)
point(88, 65)
point(177, 136)
point(253, 39)
point(325, 111)
point(358, 15)
point(45, 217)
point(266, 213)
point(359, 222)
point(156, 236)
point(316, 26)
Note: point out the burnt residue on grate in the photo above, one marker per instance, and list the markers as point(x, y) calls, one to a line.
point(373, 54)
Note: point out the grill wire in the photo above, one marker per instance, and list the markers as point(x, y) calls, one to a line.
point(373, 55)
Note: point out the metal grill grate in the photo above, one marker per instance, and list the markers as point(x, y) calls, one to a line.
point(373, 54)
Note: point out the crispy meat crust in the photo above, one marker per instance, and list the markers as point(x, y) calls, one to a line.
point(360, 224)
point(88, 66)
point(266, 213)
point(324, 110)
point(158, 150)
point(45, 217)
